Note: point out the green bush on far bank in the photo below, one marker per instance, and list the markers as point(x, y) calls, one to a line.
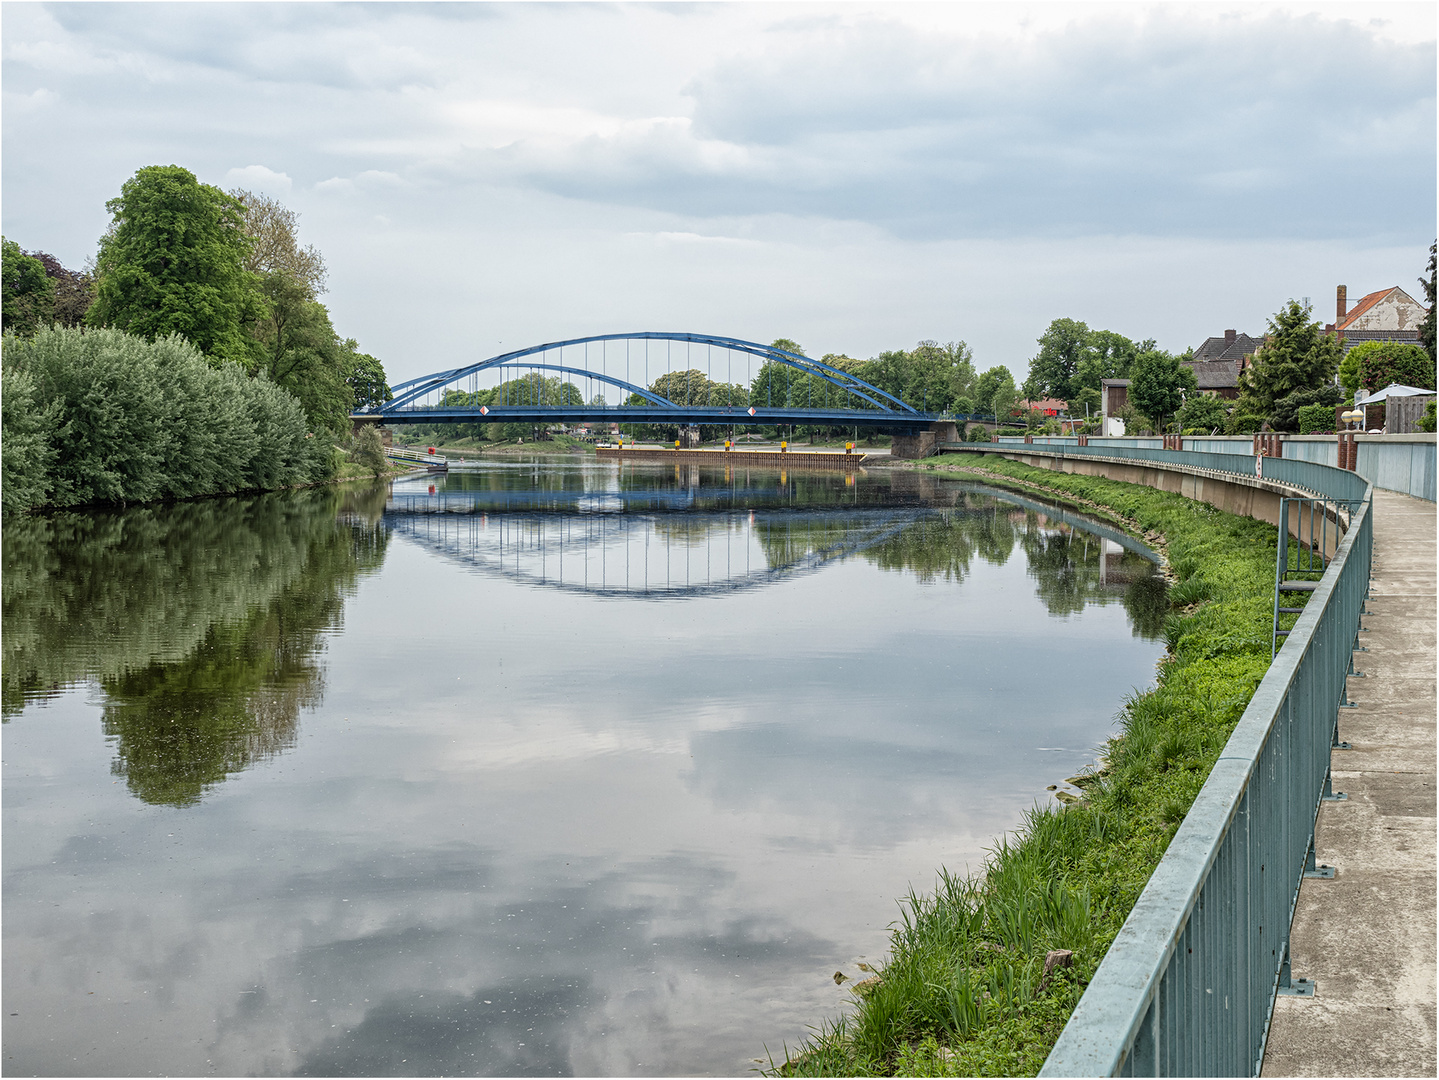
point(104, 417)
point(964, 992)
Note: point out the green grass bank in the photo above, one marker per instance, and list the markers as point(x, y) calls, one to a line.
point(964, 991)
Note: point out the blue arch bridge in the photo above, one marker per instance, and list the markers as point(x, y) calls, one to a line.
point(628, 366)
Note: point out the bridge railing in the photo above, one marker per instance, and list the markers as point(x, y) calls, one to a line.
point(1307, 475)
point(1187, 988)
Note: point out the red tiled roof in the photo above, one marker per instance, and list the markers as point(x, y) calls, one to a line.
point(1045, 403)
point(1365, 303)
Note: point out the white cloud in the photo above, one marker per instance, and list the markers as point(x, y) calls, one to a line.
point(259, 178)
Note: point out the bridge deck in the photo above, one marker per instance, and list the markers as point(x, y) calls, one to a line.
point(1367, 937)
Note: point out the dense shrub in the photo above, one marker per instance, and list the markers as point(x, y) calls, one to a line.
point(102, 416)
point(1385, 363)
point(1316, 420)
point(1202, 413)
point(977, 433)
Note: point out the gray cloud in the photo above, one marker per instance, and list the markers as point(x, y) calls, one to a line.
point(1107, 127)
point(1165, 172)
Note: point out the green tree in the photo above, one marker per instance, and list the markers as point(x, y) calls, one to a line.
point(137, 421)
point(1316, 419)
point(1053, 369)
point(1201, 412)
point(275, 248)
point(1106, 355)
point(1426, 328)
point(684, 388)
point(302, 354)
point(28, 294)
point(173, 261)
point(1383, 363)
point(1285, 415)
point(74, 289)
point(1349, 371)
point(989, 384)
point(1073, 361)
point(367, 449)
point(1159, 385)
point(1296, 355)
point(27, 437)
point(367, 381)
point(300, 349)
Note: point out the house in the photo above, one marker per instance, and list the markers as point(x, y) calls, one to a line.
point(1387, 315)
point(1218, 363)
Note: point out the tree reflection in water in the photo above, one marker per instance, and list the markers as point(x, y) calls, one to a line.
point(202, 623)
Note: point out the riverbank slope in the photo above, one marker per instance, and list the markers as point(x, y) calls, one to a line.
point(984, 971)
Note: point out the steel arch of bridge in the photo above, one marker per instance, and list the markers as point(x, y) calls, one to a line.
point(885, 406)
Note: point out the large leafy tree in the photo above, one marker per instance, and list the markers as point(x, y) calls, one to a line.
point(1297, 358)
point(298, 347)
point(1426, 328)
point(1373, 365)
point(275, 248)
point(1159, 385)
point(28, 294)
point(173, 262)
point(1053, 369)
point(995, 392)
point(74, 289)
point(1073, 361)
point(367, 377)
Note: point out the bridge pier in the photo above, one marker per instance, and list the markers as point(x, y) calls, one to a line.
point(387, 437)
point(922, 444)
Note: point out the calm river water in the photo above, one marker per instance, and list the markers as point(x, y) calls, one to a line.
point(553, 767)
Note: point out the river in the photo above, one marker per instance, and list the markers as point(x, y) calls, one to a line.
point(549, 767)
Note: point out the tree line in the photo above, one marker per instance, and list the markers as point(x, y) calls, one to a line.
point(192, 357)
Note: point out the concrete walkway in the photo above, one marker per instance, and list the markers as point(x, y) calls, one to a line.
point(1367, 937)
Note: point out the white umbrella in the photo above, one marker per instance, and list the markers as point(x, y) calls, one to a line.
point(1393, 390)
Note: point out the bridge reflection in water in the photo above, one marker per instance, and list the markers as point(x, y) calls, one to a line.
point(652, 536)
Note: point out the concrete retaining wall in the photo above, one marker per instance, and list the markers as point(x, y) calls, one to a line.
point(1403, 463)
point(1246, 496)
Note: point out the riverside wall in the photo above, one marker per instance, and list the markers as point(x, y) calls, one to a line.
point(1254, 497)
point(784, 459)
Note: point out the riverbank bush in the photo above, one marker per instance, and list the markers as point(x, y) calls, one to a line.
point(103, 417)
point(965, 991)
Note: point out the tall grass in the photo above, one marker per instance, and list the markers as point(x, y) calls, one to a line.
point(964, 991)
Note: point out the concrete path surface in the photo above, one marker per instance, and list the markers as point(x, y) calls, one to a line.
point(1367, 937)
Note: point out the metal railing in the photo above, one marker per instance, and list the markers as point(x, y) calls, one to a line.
point(1187, 988)
point(1306, 475)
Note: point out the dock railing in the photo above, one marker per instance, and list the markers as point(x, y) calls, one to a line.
point(1188, 986)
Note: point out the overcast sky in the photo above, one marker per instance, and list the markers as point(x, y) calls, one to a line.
point(856, 177)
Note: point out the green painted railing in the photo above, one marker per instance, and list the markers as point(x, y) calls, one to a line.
point(1188, 987)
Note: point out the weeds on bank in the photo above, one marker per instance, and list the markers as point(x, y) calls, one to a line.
point(964, 992)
